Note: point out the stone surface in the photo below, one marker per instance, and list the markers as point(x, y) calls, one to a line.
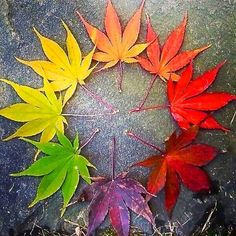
point(210, 22)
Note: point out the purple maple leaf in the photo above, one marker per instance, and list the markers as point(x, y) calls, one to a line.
point(115, 197)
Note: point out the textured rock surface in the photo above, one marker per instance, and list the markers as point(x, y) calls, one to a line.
point(209, 22)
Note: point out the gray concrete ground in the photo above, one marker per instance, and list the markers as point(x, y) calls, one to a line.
point(210, 22)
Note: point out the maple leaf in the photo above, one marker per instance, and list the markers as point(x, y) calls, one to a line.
point(189, 101)
point(115, 196)
point(65, 71)
point(61, 168)
point(166, 61)
point(116, 46)
point(41, 112)
point(180, 161)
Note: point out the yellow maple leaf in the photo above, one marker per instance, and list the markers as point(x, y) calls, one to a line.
point(65, 71)
point(42, 112)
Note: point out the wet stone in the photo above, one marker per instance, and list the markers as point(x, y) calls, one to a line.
point(210, 22)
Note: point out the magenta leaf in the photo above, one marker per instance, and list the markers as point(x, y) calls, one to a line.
point(116, 197)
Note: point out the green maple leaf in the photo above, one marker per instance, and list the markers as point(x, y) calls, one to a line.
point(61, 168)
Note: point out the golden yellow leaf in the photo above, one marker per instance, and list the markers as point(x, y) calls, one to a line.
point(65, 71)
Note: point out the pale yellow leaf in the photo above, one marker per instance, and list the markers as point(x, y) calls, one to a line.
point(29, 95)
point(48, 134)
point(63, 70)
point(42, 114)
point(23, 112)
point(31, 128)
point(60, 124)
point(51, 97)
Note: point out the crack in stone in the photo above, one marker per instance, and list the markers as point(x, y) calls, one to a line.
point(10, 23)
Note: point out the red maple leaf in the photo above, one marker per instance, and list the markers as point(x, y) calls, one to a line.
point(166, 61)
point(190, 104)
point(179, 162)
point(189, 101)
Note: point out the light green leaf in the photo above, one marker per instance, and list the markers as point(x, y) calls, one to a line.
point(43, 166)
point(81, 164)
point(49, 148)
point(69, 186)
point(60, 168)
point(51, 183)
point(76, 142)
point(84, 161)
point(64, 141)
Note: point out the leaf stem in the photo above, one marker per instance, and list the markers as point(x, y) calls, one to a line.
point(157, 107)
point(134, 136)
point(100, 99)
point(90, 138)
point(89, 115)
point(113, 156)
point(148, 90)
point(36, 155)
point(120, 77)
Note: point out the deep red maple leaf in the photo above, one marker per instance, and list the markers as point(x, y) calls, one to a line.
point(190, 104)
point(166, 61)
point(189, 101)
point(115, 196)
point(179, 162)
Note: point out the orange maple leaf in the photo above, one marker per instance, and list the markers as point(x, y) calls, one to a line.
point(165, 61)
point(114, 46)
